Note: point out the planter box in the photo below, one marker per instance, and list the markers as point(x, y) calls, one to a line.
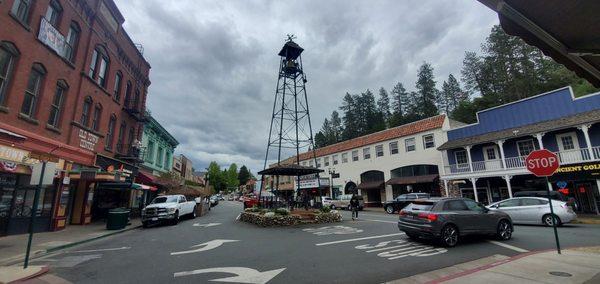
point(287, 220)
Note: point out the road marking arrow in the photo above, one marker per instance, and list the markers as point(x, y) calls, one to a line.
point(205, 246)
point(206, 225)
point(243, 274)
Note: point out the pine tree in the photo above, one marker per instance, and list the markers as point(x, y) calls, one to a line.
point(451, 95)
point(426, 91)
point(383, 105)
point(336, 126)
point(399, 105)
point(243, 175)
point(320, 140)
point(350, 117)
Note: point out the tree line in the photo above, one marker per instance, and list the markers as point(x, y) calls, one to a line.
point(506, 70)
point(227, 180)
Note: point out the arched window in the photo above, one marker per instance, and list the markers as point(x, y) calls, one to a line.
point(97, 116)
point(85, 113)
point(20, 10)
point(99, 65)
point(136, 99)
point(127, 94)
point(53, 13)
point(72, 41)
point(32, 92)
point(8, 55)
point(57, 103)
point(110, 134)
point(121, 138)
point(117, 89)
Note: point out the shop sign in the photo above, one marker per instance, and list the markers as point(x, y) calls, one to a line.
point(312, 182)
point(120, 169)
point(579, 171)
point(51, 37)
point(87, 140)
point(12, 154)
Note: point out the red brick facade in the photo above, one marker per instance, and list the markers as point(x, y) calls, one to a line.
point(100, 28)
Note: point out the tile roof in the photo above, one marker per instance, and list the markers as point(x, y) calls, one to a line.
point(384, 135)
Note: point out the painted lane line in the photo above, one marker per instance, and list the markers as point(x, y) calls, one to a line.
point(205, 246)
point(206, 225)
point(417, 253)
point(382, 221)
point(95, 250)
point(517, 249)
point(359, 239)
point(242, 274)
point(387, 248)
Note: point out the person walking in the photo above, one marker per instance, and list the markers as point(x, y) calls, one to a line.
point(354, 204)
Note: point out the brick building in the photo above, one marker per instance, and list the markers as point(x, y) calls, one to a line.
point(72, 84)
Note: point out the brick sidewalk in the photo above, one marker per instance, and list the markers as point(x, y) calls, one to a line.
point(12, 248)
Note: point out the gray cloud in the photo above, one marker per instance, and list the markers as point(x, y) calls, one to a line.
point(214, 63)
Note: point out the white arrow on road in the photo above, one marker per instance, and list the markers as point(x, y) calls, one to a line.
point(243, 274)
point(206, 225)
point(205, 246)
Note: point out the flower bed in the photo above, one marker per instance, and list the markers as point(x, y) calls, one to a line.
point(328, 217)
point(282, 217)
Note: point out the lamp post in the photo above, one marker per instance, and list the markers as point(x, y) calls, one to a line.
point(331, 173)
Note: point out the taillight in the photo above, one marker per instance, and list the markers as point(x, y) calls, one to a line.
point(403, 213)
point(429, 216)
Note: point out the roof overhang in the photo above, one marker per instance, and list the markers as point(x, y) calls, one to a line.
point(567, 31)
point(290, 170)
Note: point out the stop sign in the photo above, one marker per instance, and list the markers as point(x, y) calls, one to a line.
point(542, 163)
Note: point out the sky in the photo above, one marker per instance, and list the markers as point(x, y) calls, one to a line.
point(214, 63)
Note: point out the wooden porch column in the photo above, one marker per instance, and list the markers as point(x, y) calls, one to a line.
point(508, 185)
point(473, 182)
point(501, 148)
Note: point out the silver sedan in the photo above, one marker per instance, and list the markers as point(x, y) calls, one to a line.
point(534, 210)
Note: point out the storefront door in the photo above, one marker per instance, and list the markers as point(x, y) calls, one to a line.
point(585, 195)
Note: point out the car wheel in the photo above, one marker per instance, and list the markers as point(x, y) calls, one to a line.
point(389, 209)
point(449, 237)
point(194, 213)
point(176, 218)
point(547, 220)
point(504, 230)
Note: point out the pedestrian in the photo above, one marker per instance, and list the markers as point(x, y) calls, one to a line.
point(354, 204)
point(305, 201)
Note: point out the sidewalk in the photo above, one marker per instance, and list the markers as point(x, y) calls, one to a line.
point(12, 248)
point(374, 209)
point(578, 265)
point(587, 219)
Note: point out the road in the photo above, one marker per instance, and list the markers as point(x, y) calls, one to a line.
point(369, 250)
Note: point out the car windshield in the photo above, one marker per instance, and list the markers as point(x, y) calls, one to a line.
point(164, 199)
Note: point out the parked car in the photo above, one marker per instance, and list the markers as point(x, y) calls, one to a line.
point(250, 202)
point(327, 201)
point(556, 195)
point(449, 219)
point(401, 201)
point(535, 210)
point(343, 202)
point(168, 208)
point(214, 201)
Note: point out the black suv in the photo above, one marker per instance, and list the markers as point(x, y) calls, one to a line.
point(402, 200)
point(448, 219)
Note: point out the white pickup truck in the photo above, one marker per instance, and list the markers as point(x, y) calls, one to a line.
point(167, 208)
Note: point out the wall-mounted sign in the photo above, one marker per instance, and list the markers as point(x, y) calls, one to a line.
point(51, 37)
point(123, 171)
point(12, 154)
point(87, 140)
point(578, 171)
point(311, 182)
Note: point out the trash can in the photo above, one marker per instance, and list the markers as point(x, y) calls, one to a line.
point(117, 219)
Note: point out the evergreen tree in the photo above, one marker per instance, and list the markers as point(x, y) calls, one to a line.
point(320, 140)
point(216, 178)
point(399, 105)
point(451, 95)
point(232, 176)
point(336, 126)
point(243, 175)
point(383, 105)
point(426, 91)
point(350, 117)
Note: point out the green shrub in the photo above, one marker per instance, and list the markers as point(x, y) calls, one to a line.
point(282, 211)
point(325, 209)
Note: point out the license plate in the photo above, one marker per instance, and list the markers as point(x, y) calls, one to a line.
point(154, 219)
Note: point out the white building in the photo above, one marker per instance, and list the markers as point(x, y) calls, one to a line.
point(385, 164)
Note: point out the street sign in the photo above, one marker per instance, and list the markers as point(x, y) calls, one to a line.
point(542, 163)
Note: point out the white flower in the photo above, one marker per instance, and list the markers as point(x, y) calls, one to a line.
point(270, 214)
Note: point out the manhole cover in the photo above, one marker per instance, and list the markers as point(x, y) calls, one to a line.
point(560, 273)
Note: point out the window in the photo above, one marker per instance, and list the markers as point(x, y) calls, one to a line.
point(159, 158)
point(532, 202)
point(355, 155)
point(379, 150)
point(111, 132)
point(93, 64)
point(318, 163)
point(136, 99)
point(102, 72)
point(53, 13)
point(473, 206)
point(455, 205)
point(131, 136)
point(99, 66)
point(304, 163)
point(393, 148)
point(72, 38)
point(366, 153)
point(567, 142)
point(334, 158)
point(85, 112)
point(311, 163)
point(428, 141)
point(20, 10)
point(127, 94)
point(167, 160)
point(150, 156)
point(326, 161)
point(7, 54)
point(56, 106)
point(32, 92)
point(509, 203)
point(525, 147)
point(117, 90)
point(409, 144)
point(96, 118)
point(121, 137)
point(344, 158)
point(461, 157)
point(490, 153)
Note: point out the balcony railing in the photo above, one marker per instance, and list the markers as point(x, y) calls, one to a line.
point(515, 163)
point(128, 152)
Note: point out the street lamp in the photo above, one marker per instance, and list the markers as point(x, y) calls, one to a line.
point(331, 173)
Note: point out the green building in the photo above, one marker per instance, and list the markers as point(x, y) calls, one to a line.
point(159, 146)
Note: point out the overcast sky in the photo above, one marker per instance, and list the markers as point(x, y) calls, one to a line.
point(214, 63)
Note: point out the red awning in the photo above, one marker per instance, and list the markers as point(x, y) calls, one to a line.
point(371, 185)
point(412, 180)
point(145, 178)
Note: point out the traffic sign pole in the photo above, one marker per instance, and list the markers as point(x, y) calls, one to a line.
point(553, 219)
point(33, 212)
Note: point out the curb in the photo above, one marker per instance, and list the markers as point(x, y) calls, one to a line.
point(484, 267)
point(41, 253)
point(42, 271)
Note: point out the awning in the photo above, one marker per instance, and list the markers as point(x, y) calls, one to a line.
point(290, 170)
point(145, 178)
point(12, 134)
point(125, 185)
point(412, 180)
point(371, 185)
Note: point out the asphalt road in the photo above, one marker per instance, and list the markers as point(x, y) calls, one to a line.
point(369, 250)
